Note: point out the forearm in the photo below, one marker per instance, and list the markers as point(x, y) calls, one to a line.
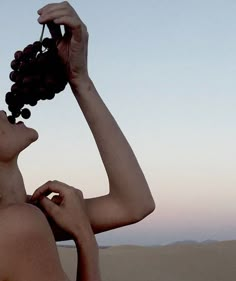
point(126, 179)
point(88, 259)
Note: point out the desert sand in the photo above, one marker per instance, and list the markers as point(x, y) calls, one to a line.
point(194, 262)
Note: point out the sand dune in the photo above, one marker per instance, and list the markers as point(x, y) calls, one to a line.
point(194, 262)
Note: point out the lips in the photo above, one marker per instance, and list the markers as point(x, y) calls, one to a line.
point(20, 122)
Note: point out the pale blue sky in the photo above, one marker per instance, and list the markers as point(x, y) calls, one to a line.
point(166, 70)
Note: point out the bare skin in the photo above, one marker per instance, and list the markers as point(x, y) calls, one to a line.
point(79, 228)
point(28, 249)
point(129, 199)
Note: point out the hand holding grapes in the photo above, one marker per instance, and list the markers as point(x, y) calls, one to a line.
point(43, 68)
point(73, 46)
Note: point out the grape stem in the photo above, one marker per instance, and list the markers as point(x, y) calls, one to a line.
point(41, 37)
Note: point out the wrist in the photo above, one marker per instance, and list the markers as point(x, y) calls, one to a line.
point(81, 84)
point(84, 237)
point(85, 244)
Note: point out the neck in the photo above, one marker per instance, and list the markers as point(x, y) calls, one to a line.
point(12, 189)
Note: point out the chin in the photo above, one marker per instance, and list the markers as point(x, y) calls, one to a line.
point(34, 135)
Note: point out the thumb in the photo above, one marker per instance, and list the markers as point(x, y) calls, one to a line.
point(50, 207)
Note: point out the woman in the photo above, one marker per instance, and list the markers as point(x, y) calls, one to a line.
point(129, 199)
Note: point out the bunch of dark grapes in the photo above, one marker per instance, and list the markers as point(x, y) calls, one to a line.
point(38, 74)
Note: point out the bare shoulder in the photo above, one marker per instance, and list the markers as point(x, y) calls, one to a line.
point(27, 245)
point(21, 216)
point(21, 221)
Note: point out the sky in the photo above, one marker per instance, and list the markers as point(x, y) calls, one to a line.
point(166, 70)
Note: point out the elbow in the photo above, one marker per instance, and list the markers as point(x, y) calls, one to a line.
point(142, 210)
point(151, 207)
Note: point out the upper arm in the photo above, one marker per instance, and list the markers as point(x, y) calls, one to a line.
point(30, 247)
point(107, 212)
point(104, 212)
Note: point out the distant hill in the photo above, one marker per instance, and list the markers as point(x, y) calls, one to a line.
point(209, 241)
point(184, 242)
point(191, 242)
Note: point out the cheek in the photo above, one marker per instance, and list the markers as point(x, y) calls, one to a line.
point(4, 139)
point(2, 133)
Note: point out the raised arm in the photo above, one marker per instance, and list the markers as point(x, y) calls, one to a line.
point(129, 199)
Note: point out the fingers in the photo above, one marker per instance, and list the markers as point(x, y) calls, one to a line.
point(56, 199)
point(60, 13)
point(49, 187)
point(51, 208)
point(53, 6)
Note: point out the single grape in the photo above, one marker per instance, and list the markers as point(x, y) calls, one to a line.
point(42, 93)
point(25, 113)
point(13, 76)
point(33, 101)
point(49, 43)
point(37, 45)
point(13, 108)
point(9, 97)
point(16, 113)
point(15, 88)
point(24, 67)
point(15, 64)
point(18, 102)
point(50, 95)
point(28, 51)
point(18, 55)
